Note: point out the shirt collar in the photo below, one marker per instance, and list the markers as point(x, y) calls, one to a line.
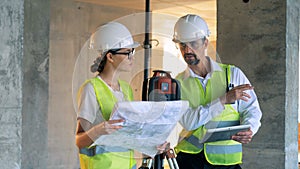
point(214, 67)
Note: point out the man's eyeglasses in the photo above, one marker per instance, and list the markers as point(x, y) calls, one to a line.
point(193, 45)
point(129, 53)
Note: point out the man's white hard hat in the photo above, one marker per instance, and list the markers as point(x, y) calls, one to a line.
point(190, 28)
point(112, 35)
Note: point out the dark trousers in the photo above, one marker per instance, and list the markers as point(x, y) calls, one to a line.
point(198, 161)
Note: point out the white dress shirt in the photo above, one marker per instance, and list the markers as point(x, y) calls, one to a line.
point(250, 112)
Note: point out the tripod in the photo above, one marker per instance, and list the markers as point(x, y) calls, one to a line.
point(158, 161)
point(161, 87)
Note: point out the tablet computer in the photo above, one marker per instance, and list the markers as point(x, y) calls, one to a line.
point(224, 133)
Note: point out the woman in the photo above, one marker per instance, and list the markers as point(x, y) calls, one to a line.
point(98, 95)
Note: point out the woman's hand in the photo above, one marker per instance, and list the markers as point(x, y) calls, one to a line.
point(163, 147)
point(108, 127)
point(86, 134)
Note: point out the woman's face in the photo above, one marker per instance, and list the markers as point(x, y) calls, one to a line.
point(123, 59)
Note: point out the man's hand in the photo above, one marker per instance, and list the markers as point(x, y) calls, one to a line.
point(243, 136)
point(237, 93)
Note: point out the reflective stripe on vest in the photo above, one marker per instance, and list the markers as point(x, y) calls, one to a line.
point(192, 90)
point(100, 157)
point(100, 150)
point(194, 141)
point(216, 149)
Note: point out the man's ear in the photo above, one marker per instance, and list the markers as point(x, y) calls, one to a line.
point(206, 43)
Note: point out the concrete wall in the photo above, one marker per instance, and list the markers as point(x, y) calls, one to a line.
point(11, 56)
point(261, 37)
point(37, 117)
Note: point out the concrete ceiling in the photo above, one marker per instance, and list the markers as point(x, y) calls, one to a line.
point(205, 8)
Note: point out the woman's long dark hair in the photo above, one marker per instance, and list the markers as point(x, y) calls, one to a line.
point(100, 62)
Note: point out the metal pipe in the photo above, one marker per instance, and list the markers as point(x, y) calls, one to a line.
point(147, 44)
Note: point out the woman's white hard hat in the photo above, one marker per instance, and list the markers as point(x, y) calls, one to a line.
point(112, 35)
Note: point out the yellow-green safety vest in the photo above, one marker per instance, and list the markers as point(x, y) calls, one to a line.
point(228, 152)
point(97, 157)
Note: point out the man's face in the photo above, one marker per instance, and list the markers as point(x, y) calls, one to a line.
point(194, 51)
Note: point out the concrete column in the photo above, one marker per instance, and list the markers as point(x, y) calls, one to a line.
point(261, 37)
point(292, 26)
point(11, 56)
point(35, 84)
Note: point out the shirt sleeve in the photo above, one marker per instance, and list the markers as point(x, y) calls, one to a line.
point(194, 118)
point(250, 111)
point(87, 105)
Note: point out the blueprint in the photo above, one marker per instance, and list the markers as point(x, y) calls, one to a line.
point(147, 124)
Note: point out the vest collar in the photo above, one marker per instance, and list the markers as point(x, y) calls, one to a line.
point(214, 67)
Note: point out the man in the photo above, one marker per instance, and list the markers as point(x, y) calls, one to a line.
point(203, 83)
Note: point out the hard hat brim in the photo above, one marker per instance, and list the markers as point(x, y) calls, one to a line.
point(187, 40)
point(134, 45)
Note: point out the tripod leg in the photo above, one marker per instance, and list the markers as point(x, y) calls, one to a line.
point(172, 159)
point(175, 163)
point(144, 164)
point(170, 163)
point(158, 161)
point(150, 163)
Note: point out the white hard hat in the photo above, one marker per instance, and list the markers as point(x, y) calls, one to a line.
point(190, 28)
point(112, 35)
